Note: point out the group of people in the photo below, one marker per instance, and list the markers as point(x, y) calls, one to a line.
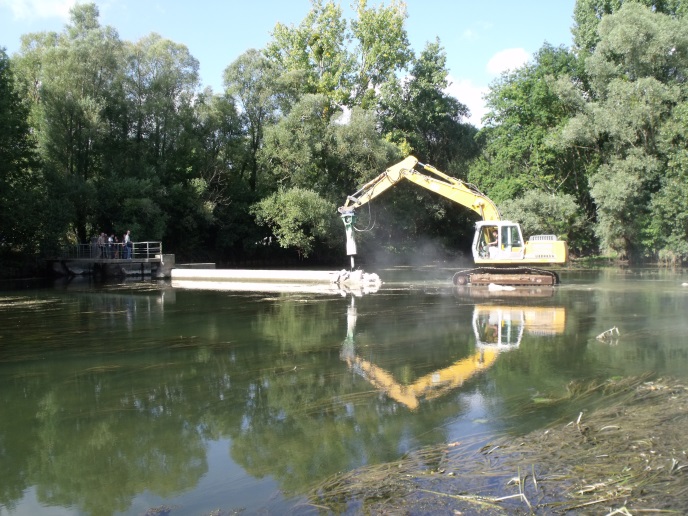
point(111, 247)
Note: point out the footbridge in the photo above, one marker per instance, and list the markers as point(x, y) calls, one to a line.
point(113, 259)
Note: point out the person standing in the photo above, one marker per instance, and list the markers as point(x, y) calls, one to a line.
point(101, 245)
point(127, 245)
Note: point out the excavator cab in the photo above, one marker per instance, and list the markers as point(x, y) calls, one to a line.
point(497, 240)
point(503, 326)
point(498, 327)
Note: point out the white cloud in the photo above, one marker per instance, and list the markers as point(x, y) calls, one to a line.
point(29, 9)
point(471, 95)
point(469, 35)
point(508, 59)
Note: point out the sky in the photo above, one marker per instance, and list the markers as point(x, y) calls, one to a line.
point(481, 38)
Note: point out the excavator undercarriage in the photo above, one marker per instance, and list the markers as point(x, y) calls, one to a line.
point(513, 276)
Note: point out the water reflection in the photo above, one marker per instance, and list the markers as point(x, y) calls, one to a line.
point(496, 329)
point(118, 398)
point(503, 326)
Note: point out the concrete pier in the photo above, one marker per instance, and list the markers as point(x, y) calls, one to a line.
point(158, 266)
point(274, 280)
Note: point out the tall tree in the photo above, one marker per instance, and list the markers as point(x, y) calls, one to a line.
point(636, 75)
point(382, 48)
point(420, 117)
point(523, 167)
point(22, 191)
point(315, 160)
point(317, 48)
point(669, 206)
point(72, 75)
point(159, 199)
point(587, 15)
point(252, 81)
point(347, 62)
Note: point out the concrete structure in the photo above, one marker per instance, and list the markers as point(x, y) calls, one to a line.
point(275, 276)
point(276, 280)
point(158, 266)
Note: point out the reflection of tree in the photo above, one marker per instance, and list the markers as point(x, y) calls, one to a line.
point(298, 325)
point(96, 449)
point(15, 453)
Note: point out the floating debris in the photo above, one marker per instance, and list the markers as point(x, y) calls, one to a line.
point(609, 334)
point(493, 287)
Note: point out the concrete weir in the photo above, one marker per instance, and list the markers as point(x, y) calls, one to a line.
point(249, 279)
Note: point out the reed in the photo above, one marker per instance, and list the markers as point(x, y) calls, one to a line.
point(626, 454)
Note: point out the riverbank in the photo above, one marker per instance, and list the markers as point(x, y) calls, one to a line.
point(626, 454)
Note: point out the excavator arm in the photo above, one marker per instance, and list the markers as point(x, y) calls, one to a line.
point(454, 189)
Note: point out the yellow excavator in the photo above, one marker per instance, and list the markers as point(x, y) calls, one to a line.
point(500, 253)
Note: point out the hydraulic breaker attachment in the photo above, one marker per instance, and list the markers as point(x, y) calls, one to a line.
point(349, 220)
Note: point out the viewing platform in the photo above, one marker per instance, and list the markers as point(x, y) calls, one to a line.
point(112, 259)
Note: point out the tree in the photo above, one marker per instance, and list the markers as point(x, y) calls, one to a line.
point(522, 158)
point(252, 81)
point(346, 62)
point(668, 232)
point(310, 150)
point(317, 48)
point(72, 76)
point(162, 195)
point(540, 212)
point(22, 190)
point(525, 107)
point(382, 49)
point(300, 219)
point(588, 13)
point(635, 74)
point(421, 118)
point(297, 148)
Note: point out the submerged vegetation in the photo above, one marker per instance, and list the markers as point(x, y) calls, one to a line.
point(624, 454)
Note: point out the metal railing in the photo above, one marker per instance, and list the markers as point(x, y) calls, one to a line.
point(114, 251)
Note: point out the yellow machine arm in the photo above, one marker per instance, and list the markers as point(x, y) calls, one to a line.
point(447, 186)
point(429, 386)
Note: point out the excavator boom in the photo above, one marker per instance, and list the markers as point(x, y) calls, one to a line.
point(454, 189)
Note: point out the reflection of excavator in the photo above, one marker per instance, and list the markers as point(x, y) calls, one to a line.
point(504, 326)
point(496, 329)
point(499, 250)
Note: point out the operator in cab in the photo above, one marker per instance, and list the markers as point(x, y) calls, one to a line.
point(495, 238)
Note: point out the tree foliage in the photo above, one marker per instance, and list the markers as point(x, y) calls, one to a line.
point(318, 49)
point(103, 134)
point(299, 218)
point(21, 183)
point(539, 212)
point(636, 80)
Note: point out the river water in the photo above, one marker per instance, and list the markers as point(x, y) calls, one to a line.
point(146, 398)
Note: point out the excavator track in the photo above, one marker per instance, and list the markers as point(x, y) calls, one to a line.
point(513, 276)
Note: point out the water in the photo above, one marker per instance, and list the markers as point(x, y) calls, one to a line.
point(122, 398)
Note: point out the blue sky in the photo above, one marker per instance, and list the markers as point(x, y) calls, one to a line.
point(481, 39)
